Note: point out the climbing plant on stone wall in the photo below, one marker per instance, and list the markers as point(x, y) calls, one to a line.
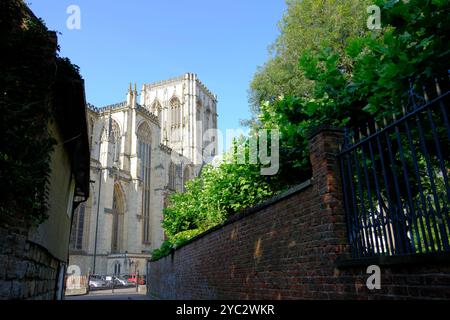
point(28, 70)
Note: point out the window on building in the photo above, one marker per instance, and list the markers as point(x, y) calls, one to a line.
point(176, 115)
point(172, 175)
point(144, 153)
point(76, 236)
point(118, 217)
point(115, 138)
point(208, 117)
point(156, 109)
point(178, 173)
point(91, 131)
point(186, 177)
point(175, 106)
point(71, 193)
point(199, 107)
point(117, 268)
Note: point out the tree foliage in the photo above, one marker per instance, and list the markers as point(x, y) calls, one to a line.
point(28, 55)
point(329, 69)
point(413, 46)
point(28, 71)
point(211, 198)
point(306, 25)
point(368, 78)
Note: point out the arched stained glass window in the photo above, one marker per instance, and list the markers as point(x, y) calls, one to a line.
point(172, 175)
point(175, 107)
point(118, 220)
point(76, 235)
point(198, 111)
point(208, 118)
point(175, 119)
point(91, 131)
point(115, 139)
point(144, 133)
point(144, 153)
point(156, 109)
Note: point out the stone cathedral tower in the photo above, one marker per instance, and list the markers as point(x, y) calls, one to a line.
point(187, 110)
point(140, 154)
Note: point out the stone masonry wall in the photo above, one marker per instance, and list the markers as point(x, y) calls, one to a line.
point(27, 270)
point(291, 248)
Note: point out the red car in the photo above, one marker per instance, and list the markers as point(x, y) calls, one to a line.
point(132, 278)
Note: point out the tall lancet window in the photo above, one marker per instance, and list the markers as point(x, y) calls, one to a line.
point(156, 109)
point(144, 153)
point(76, 235)
point(172, 174)
point(175, 107)
point(208, 118)
point(114, 138)
point(91, 131)
point(199, 108)
point(118, 211)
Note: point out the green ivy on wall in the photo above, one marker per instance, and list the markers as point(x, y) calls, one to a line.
point(28, 71)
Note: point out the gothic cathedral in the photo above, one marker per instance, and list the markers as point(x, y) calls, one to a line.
point(140, 154)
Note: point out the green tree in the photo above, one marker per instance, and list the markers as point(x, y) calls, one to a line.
point(327, 69)
point(29, 71)
point(368, 77)
point(306, 25)
point(412, 49)
point(412, 46)
point(211, 198)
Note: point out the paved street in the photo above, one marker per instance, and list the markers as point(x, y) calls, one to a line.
point(119, 294)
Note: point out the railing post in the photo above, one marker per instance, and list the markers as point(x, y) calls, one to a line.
point(137, 280)
point(87, 281)
point(324, 144)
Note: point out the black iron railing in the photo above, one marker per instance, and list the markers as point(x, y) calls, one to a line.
point(396, 182)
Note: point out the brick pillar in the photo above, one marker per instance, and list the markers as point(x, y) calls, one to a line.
point(324, 145)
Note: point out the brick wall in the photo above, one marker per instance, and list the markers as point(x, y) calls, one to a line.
point(290, 248)
point(27, 270)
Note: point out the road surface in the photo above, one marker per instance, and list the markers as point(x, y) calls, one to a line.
point(119, 294)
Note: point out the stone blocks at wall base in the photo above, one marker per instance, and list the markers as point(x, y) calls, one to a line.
point(289, 248)
point(76, 292)
point(28, 271)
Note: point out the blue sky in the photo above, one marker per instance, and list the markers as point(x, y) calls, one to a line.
point(143, 41)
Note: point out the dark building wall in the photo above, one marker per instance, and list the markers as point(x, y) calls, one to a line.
point(34, 251)
point(289, 248)
point(31, 256)
point(28, 271)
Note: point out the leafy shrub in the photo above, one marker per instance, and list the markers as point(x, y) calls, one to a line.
point(368, 79)
point(212, 197)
